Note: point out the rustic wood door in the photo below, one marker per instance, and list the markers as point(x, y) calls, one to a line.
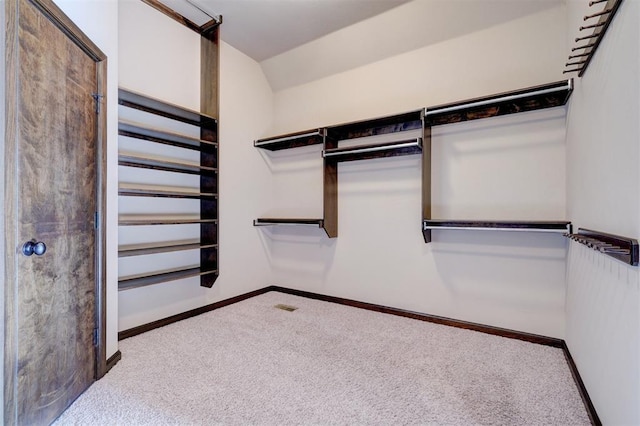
point(54, 192)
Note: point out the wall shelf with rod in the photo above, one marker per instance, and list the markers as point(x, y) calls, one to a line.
point(291, 140)
point(365, 152)
point(529, 99)
point(624, 249)
point(206, 168)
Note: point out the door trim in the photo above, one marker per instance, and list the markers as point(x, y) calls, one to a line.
point(10, 33)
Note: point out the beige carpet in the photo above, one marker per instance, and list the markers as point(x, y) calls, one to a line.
point(251, 363)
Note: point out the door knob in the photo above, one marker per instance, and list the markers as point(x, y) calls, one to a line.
point(34, 247)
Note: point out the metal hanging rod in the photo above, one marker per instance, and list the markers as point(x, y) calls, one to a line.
point(382, 147)
point(214, 17)
point(501, 99)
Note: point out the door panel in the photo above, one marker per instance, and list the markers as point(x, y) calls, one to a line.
point(56, 193)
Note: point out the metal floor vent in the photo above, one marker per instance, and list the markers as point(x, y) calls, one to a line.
point(287, 308)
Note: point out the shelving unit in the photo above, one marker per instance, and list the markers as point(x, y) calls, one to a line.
point(207, 169)
point(329, 137)
point(522, 100)
point(624, 249)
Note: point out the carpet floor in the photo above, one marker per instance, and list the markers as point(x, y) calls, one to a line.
point(251, 363)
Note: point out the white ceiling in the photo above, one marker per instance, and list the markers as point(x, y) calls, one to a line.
point(265, 28)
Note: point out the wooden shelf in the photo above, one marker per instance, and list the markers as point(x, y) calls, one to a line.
point(163, 247)
point(624, 249)
point(497, 225)
point(158, 163)
point(529, 99)
point(378, 126)
point(146, 103)
point(142, 280)
point(138, 131)
point(140, 220)
point(287, 221)
point(365, 152)
point(291, 140)
point(139, 190)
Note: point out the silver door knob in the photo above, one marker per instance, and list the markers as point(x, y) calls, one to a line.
point(34, 247)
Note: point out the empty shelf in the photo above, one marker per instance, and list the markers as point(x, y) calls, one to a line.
point(291, 140)
point(162, 247)
point(494, 225)
point(139, 190)
point(146, 103)
point(363, 152)
point(135, 130)
point(141, 280)
point(287, 221)
point(377, 126)
point(139, 219)
point(624, 249)
point(533, 98)
point(157, 163)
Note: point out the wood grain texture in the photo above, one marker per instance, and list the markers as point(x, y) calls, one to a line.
point(53, 141)
point(330, 190)
point(209, 104)
point(426, 178)
point(173, 14)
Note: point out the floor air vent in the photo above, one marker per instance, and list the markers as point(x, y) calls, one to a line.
point(287, 308)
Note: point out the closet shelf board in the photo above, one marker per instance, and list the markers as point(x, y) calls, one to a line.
point(291, 140)
point(152, 105)
point(157, 163)
point(529, 99)
point(138, 131)
point(133, 190)
point(141, 220)
point(162, 247)
point(142, 280)
point(377, 126)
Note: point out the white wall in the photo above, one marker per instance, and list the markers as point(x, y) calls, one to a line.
point(504, 168)
point(603, 295)
point(161, 58)
point(98, 19)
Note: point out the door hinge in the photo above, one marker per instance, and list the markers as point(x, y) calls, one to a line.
point(98, 98)
point(96, 220)
point(95, 337)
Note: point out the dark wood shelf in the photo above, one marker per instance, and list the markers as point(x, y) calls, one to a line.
point(291, 140)
point(138, 131)
point(498, 225)
point(529, 99)
point(287, 221)
point(138, 190)
point(157, 163)
point(163, 247)
point(142, 280)
point(624, 249)
point(378, 126)
point(146, 103)
point(141, 219)
point(381, 150)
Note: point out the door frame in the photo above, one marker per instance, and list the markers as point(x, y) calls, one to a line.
point(8, 148)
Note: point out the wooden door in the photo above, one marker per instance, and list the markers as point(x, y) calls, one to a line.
point(53, 299)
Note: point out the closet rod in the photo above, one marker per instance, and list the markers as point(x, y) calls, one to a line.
point(501, 99)
point(417, 143)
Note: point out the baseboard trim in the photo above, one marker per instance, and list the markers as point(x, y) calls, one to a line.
point(125, 334)
point(113, 360)
point(586, 399)
point(497, 331)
